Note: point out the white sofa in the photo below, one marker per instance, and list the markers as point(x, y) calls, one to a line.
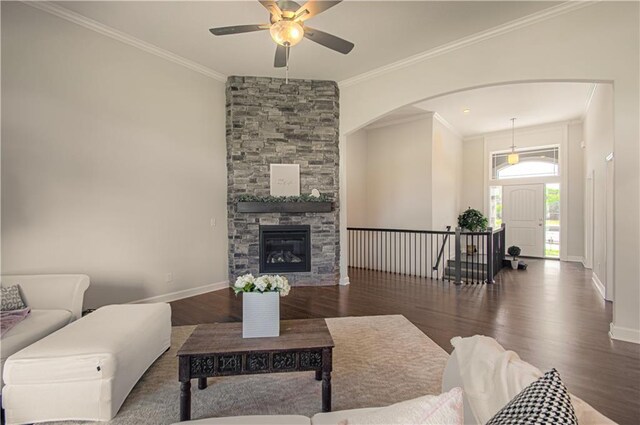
point(451, 378)
point(55, 301)
point(86, 370)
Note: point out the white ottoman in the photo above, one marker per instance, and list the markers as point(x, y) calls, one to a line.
point(85, 370)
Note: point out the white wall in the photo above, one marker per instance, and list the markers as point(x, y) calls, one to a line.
point(399, 175)
point(473, 177)
point(599, 140)
point(405, 175)
point(446, 175)
point(574, 193)
point(357, 178)
point(113, 162)
point(594, 42)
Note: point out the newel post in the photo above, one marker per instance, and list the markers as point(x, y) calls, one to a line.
point(458, 244)
point(490, 255)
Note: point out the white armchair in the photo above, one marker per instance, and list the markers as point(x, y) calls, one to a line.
point(55, 301)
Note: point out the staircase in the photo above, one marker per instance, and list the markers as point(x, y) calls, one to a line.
point(474, 267)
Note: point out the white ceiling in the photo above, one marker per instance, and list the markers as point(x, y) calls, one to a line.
point(383, 31)
point(491, 108)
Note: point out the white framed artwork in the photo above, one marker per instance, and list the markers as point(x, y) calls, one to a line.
point(285, 179)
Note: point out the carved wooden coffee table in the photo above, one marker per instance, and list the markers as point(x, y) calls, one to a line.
point(219, 350)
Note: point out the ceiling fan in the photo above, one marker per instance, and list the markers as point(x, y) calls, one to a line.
point(287, 27)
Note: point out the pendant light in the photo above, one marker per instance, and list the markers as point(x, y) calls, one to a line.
point(513, 157)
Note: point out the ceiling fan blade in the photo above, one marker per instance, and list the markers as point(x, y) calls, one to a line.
point(312, 8)
point(272, 7)
point(238, 29)
point(280, 60)
point(328, 40)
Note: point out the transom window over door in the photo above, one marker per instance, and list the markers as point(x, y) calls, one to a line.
point(542, 162)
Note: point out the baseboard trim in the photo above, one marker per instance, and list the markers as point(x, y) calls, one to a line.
point(185, 293)
point(344, 281)
point(575, 259)
point(624, 334)
point(598, 284)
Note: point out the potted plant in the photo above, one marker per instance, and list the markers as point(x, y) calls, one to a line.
point(514, 252)
point(473, 221)
point(261, 304)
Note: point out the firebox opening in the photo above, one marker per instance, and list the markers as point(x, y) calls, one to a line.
point(285, 249)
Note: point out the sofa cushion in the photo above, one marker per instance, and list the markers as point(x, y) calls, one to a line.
point(445, 408)
point(543, 401)
point(332, 418)
point(37, 325)
point(253, 420)
point(87, 349)
point(587, 415)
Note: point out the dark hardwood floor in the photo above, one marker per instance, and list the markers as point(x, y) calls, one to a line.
point(550, 314)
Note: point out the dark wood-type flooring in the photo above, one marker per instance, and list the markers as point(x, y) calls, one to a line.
point(550, 314)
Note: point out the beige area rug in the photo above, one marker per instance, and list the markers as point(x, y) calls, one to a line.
point(377, 360)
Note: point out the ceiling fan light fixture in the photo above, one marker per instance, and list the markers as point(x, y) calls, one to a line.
point(286, 33)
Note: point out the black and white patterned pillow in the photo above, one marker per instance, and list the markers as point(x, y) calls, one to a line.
point(10, 298)
point(545, 401)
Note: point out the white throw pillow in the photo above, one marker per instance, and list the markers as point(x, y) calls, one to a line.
point(445, 408)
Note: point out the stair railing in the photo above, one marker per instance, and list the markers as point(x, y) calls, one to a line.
point(444, 242)
point(475, 257)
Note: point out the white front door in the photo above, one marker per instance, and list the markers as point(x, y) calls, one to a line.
point(523, 213)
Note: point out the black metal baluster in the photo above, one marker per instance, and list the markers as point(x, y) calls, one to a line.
point(361, 262)
point(438, 275)
point(369, 247)
point(474, 259)
point(431, 255)
point(421, 234)
point(406, 254)
point(466, 258)
point(374, 250)
point(395, 248)
point(448, 259)
point(415, 254)
point(473, 271)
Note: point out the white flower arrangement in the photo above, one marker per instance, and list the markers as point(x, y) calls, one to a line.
point(266, 283)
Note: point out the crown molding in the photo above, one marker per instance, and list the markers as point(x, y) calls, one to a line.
point(113, 33)
point(399, 120)
point(534, 18)
point(416, 117)
point(448, 125)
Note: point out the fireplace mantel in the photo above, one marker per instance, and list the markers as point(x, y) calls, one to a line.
point(284, 207)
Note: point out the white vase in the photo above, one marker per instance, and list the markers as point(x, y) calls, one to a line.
point(514, 264)
point(260, 314)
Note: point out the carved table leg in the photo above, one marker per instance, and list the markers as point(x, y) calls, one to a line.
point(327, 367)
point(202, 383)
point(326, 391)
point(318, 375)
point(185, 401)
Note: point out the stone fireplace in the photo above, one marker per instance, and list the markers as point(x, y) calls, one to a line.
point(270, 122)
